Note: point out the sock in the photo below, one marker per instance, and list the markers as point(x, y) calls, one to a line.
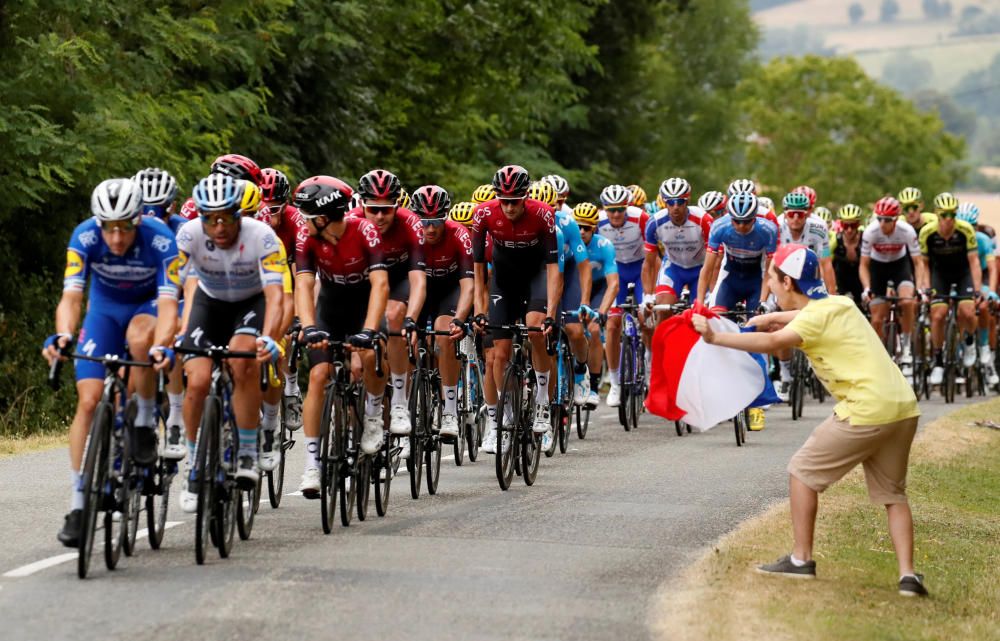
point(270, 422)
point(398, 388)
point(786, 371)
point(797, 563)
point(905, 342)
point(615, 380)
point(595, 381)
point(192, 447)
point(76, 488)
point(291, 386)
point(373, 404)
point(450, 399)
point(312, 452)
point(968, 340)
point(542, 389)
point(984, 337)
point(937, 358)
point(248, 443)
point(491, 411)
point(146, 407)
point(579, 371)
point(176, 416)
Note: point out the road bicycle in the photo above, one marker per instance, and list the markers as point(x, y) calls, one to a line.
point(284, 440)
point(561, 404)
point(632, 365)
point(471, 402)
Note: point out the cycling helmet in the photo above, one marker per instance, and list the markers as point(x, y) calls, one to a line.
point(638, 195)
point(615, 196)
point(559, 184)
point(544, 191)
point(766, 202)
point(217, 192)
point(659, 203)
point(742, 186)
point(158, 186)
point(742, 207)
point(910, 196)
point(116, 199)
point(795, 201)
point(809, 192)
point(712, 201)
point(511, 181)
point(586, 214)
point(355, 201)
point(238, 167)
point(431, 201)
point(323, 196)
point(825, 214)
point(483, 193)
point(945, 202)
point(850, 212)
point(274, 185)
point(250, 199)
point(886, 207)
point(404, 199)
point(379, 184)
point(462, 212)
point(675, 188)
point(969, 212)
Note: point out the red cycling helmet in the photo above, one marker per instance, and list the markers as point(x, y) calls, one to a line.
point(379, 184)
point(809, 192)
point(886, 207)
point(237, 167)
point(274, 186)
point(323, 196)
point(511, 181)
point(430, 201)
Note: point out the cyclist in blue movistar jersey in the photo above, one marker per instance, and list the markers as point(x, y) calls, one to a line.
point(131, 262)
point(986, 248)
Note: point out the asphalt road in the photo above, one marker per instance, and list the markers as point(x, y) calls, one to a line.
point(577, 556)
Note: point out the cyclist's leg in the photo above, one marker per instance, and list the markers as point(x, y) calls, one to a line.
point(247, 395)
point(399, 364)
point(534, 316)
point(139, 336)
point(578, 343)
point(210, 323)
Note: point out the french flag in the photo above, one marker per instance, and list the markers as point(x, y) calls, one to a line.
point(703, 384)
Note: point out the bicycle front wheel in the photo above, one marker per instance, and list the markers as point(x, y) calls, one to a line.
point(508, 426)
point(206, 470)
point(94, 477)
point(626, 371)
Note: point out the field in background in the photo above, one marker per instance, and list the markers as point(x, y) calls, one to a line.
point(989, 206)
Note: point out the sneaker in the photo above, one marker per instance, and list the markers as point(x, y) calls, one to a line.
point(69, 535)
point(292, 408)
point(581, 391)
point(912, 585)
point(247, 474)
point(969, 356)
point(449, 425)
point(985, 355)
point(269, 457)
point(543, 420)
point(937, 375)
point(188, 497)
point(174, 448)
point(310, 483)
point(614, 396)
point(991, 375)
point(782, 391)
point(399, 421)
point(145, 445)
point(547, 441)
point(593, 400)
point(756, 419)
point(785, 567)
point(490, 440)
point(371, 438)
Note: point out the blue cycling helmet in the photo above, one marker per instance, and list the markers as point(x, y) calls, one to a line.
point(217, 192)
point(742, 207)
point(969, 212)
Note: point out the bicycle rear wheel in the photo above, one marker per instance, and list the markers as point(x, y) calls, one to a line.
point(134, 509)
point(432, 447)
point(582, 422)
point(350, 464)
point(364, 486)
point(247, 502)
point(530, 448)
point(458, 445)
point(740, 424)
point(227, 496)
point(950, 359)
point(564, 428)
point(508, 426)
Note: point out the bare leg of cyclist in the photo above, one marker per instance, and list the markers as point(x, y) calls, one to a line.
point(612, 349)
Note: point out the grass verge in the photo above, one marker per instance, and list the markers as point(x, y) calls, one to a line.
point(953, 484)
point(12, 446)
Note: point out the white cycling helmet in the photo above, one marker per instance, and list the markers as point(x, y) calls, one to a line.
point(767, 202)
point(742, 186)
point(615, 196)
point(712, 201)
point(158, 186)
point(116, 199)
point(217, 192)
point(675, 188)
point(559, 184)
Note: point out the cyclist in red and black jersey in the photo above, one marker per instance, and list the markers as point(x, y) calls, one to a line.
point(525, 281)
point(403, 251)
point(236, 167)
point(345, 256)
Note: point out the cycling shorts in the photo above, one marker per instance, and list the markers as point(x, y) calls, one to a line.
point(510, 304)
point(673, 279)
point(442, 300)
point(628, 273)
point(399, 287)
point(597, 291)
point(340, 311)
point(571, 293)
point(941, 283)
point(734, 287)
point(214, 322)
point(900, 272)
point(103, 332)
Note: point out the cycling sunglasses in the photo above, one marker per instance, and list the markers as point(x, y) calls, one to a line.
point(615, 210)
point(947, 214)
point(379, 209)
point(432, 222)
point(273, 210)
point(886, 219)
point(586, 227)
point(226, 219)
point(796, 214)
point(748, 221)
point(123, 226)
point(913, 207)
point(850, 225)
point(673, 202)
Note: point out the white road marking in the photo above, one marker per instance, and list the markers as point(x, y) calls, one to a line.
point(295, 493)
point(449, 457)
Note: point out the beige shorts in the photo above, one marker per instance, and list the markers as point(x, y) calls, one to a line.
point(835, 447)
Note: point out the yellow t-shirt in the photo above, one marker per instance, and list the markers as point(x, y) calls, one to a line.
point(849, 359)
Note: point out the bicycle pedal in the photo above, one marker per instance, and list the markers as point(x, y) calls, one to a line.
point(287, 445)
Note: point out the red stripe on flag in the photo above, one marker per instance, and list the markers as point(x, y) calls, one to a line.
point(672, 342)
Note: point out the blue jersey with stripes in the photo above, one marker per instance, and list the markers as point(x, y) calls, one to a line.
point(985, 247)
point(743, 252)
point(601, 252)
point(573, 250)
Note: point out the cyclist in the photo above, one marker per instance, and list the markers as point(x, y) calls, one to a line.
point(604, 270)
point(403, 253)
point(625, 227)
point(949, 253)
point(232, 272)
point(912, 203)
point(448, 252)
point(483, 193)
point(680, 232)
point(561, 185)
point(884, 247)
point(713, 203)
point(236, 167)
point(131, 262)
point(845, 247)
point(524, 281)
point(747, 186)
point(969, 212)
point(639, 196)
point(826, 216)
point(343, 258)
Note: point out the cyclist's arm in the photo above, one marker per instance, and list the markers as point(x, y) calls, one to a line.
point(865, 272)
point(610, 293)
point(991, 266)
point(68, 312)
point(305, 298)
point(650, 267)
point(465, 291)
point(377, 299)
point(707, 271)
point(190, 287)
point(274, 311)
point(923, 271)
point(480, 296)
point(418, 292)
point(977, 272)
point(166, 320)
point(584, 272)
point(553, 281)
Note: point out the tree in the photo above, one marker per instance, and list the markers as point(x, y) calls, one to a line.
point(889, 10)
point(906, 72)
point(957, 121)
point(823, 122)
point(856, 12)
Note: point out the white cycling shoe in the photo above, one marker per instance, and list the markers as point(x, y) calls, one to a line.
point(581, 391)
point(969, 356)
point(490, 439)
point(449, 425)
point(399, 420)
point(543, 420)
point(985, 355)
point(371, 438)
point(937, 375)
point(546, 441)
point(187, 500)
point(309, 487)
point(593, 400)
point(614, 396)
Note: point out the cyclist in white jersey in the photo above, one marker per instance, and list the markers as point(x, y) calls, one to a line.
point(232, 272)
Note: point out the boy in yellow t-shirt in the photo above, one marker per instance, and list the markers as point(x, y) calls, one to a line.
point(873, 423)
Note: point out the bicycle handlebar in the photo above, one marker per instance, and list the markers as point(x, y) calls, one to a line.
point(219, 354)
point(108, 360)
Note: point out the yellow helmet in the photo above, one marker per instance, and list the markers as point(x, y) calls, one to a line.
point(850, 212)
point(586, 214)
point(660, 203)
point(910, 196)
point(543, 191)
point(945, 202)
point(483, 193)
point(250, 200)
point(638, 195)
point(462, 212)
point(404, 199)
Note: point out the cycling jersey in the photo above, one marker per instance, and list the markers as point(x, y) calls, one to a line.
point(402, 244)
point(985, 247)
point(358, 252)
point(292, 232)
point(519, 247)
point(148, 269)
point(451, 257)
point(948, 255)
point(682, 245)
point(925, 218)
point(814, 235)
point(846, 266)
point(243, 270)
point(886, 248)
point(629, 239)
point(744, 253)
point(601, 253)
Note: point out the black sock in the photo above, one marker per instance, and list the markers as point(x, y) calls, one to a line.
point(581, 368)
point(595, 381)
